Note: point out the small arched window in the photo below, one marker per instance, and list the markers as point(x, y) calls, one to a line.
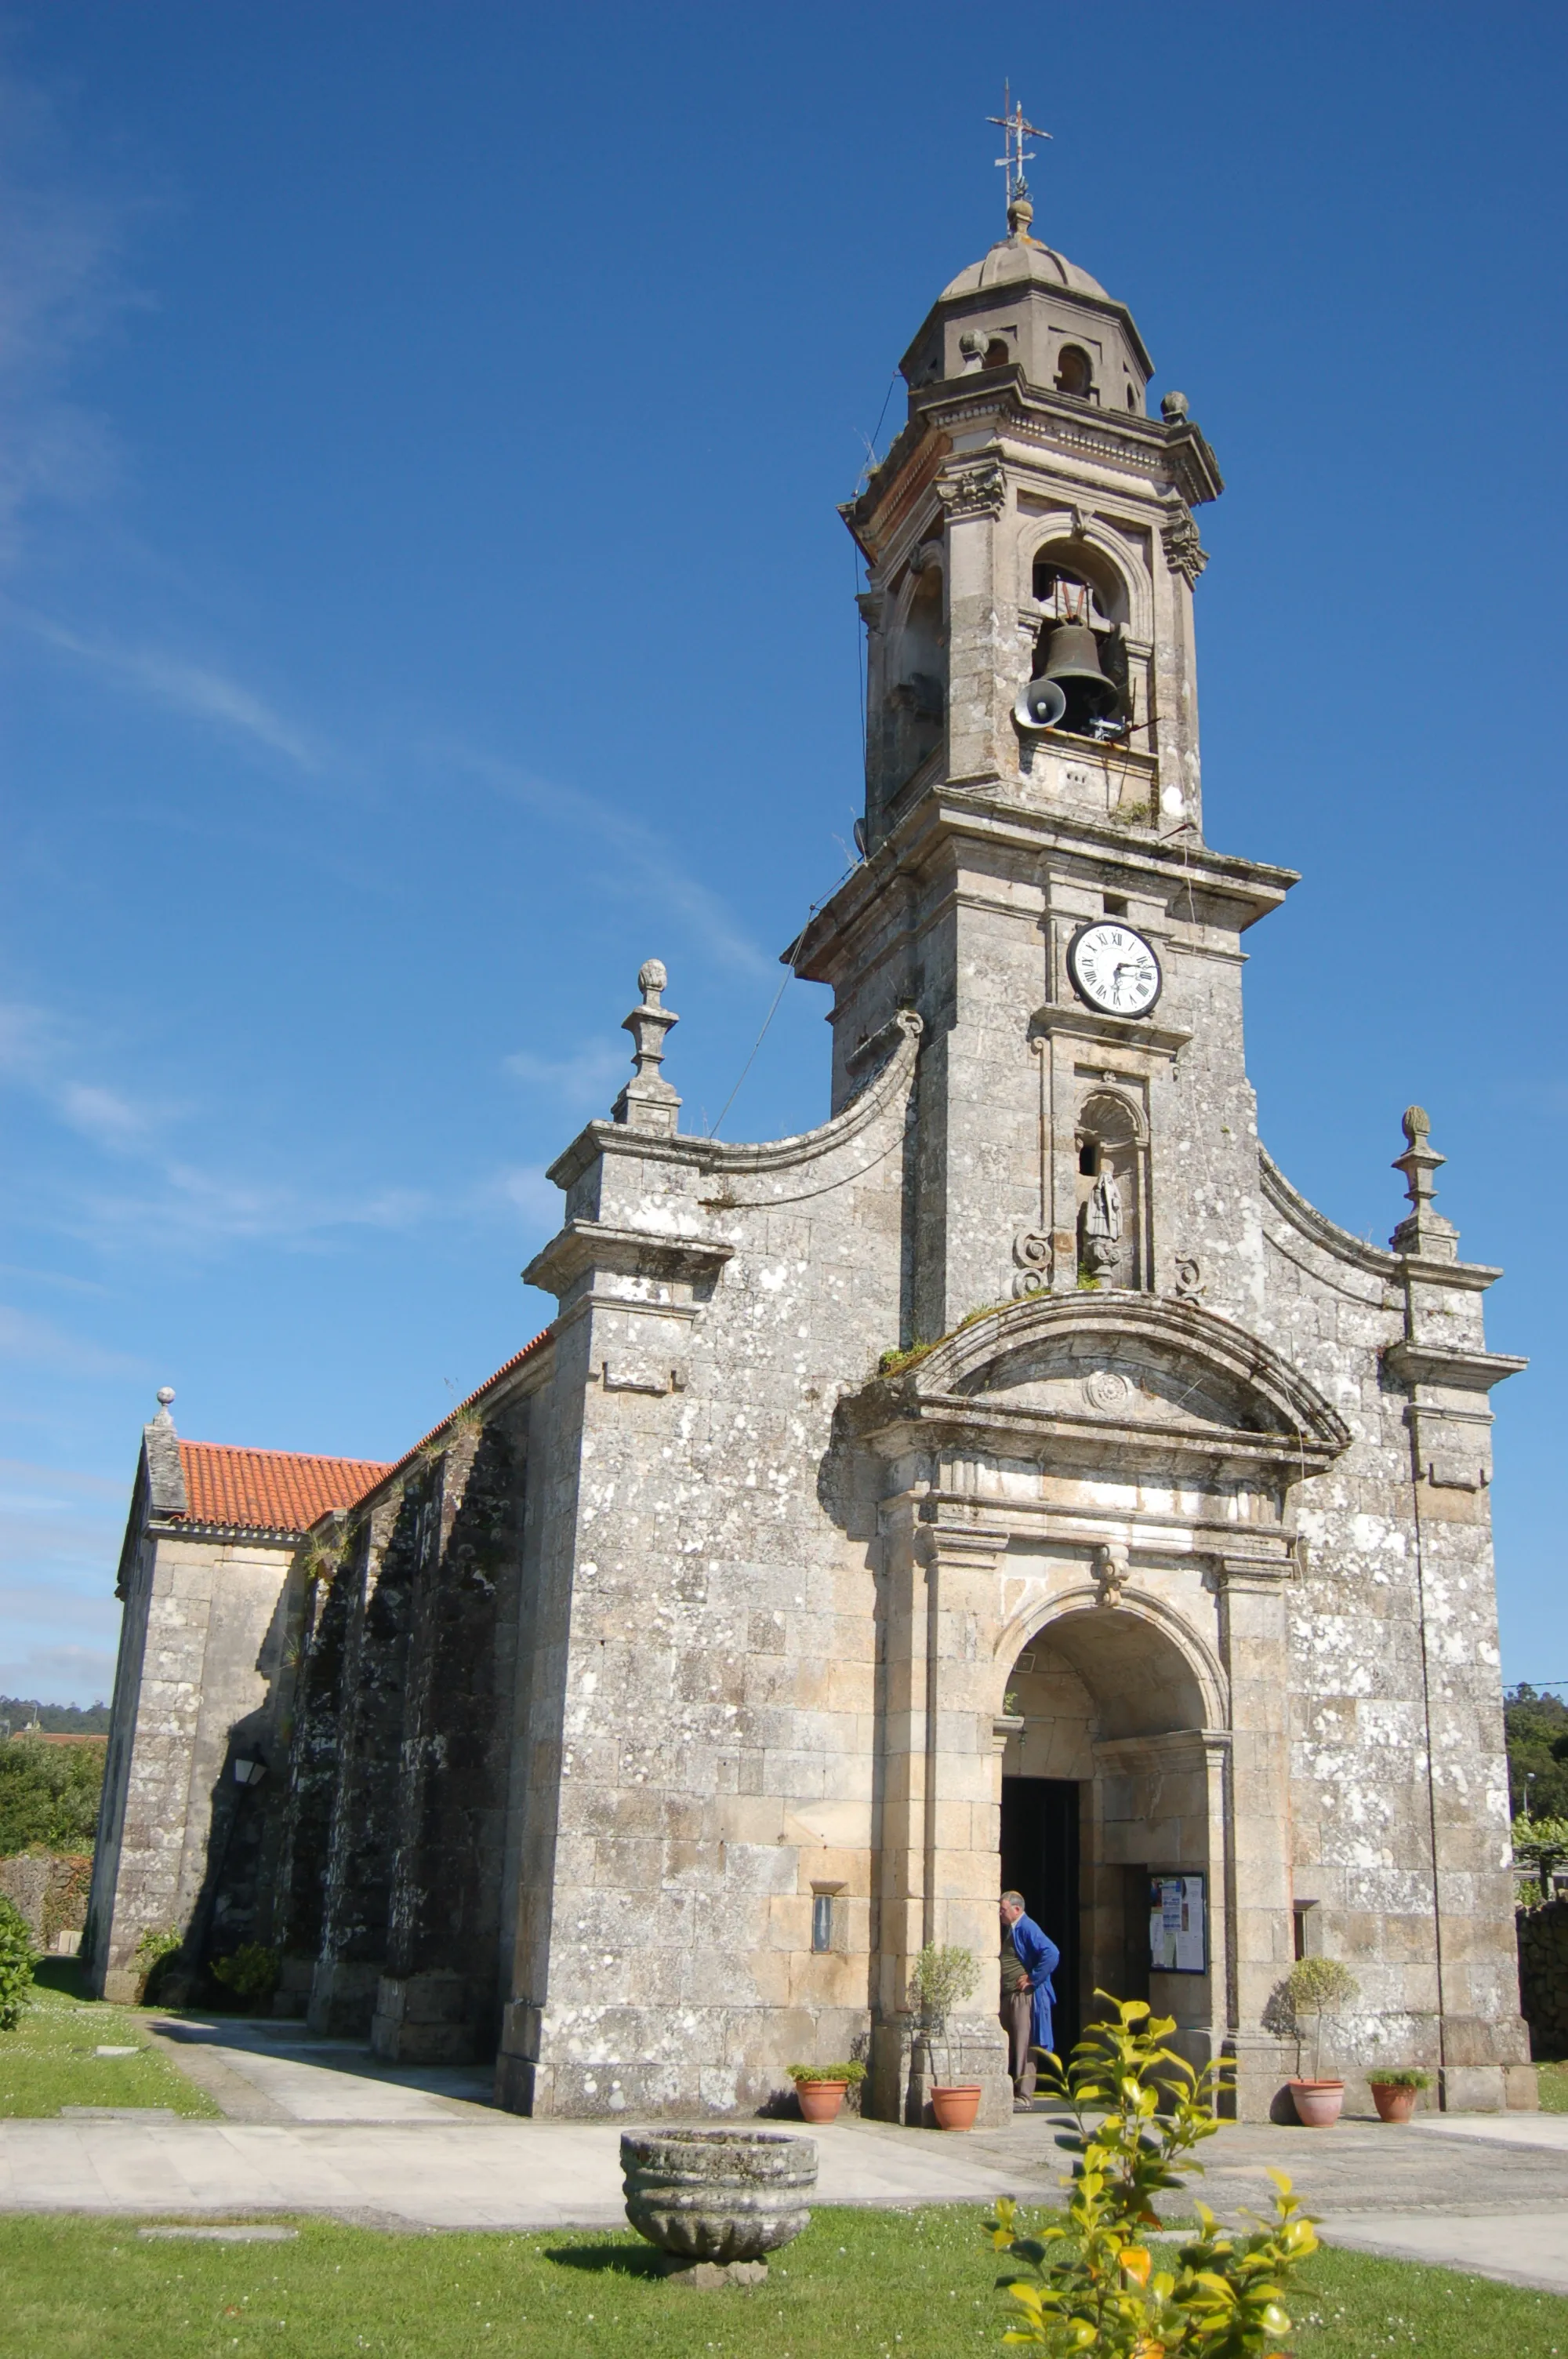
point(1074, 373)
point(996, 352)
point(1132, 399)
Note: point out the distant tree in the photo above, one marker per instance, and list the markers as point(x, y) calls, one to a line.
point(1536, 1726)
point(55, 1719)
point(48, 1795)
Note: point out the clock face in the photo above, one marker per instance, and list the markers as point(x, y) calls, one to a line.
point(1114, 969)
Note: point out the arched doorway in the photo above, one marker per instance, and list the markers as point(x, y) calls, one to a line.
point(1112, 1801)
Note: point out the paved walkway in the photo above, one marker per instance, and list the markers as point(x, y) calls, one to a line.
point(317, 2125)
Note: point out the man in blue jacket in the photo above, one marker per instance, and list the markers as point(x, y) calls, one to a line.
point(1028, 1959)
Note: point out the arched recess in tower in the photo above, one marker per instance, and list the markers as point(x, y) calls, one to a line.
point(1114, 1780)
point(1112, 1141)
point(917, 700)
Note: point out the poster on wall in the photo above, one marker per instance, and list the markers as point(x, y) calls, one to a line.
point(1177, 1921)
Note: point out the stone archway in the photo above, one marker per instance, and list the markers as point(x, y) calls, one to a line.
point(1105, 1701)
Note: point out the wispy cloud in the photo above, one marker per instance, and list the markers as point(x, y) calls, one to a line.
point(589, 1076)
point(172, 1196)
point(26, 1342)
point(199, 691)
point(641, 859)
point(62, 284)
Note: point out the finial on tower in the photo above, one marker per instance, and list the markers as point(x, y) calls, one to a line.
point(1422, 1231)
point(647, 1101)
point(1015, 131)
point(165, 1394)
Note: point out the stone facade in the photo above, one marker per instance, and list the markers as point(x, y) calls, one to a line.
point(1016, 1450)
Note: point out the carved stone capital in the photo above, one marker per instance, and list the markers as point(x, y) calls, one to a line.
point(1185, 552)
point(977, 490)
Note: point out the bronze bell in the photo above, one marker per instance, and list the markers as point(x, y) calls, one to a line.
point(1073, 663)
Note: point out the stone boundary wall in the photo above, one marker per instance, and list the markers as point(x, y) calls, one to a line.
point(50, 1889)
point(1543, 1977)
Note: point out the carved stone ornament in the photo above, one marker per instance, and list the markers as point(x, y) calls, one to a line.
point(1031, 1251)
point(1111, 1571)
point(1190, 1284)
point(1107, 1388)
point(979, 490)
point(1185, 552)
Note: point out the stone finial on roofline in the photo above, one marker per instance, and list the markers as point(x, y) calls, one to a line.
point(1422, 1231)
point(648, 1102)
point(165, 1472)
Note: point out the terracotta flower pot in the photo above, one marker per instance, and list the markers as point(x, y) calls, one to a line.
point(1394, 2104)
point(1317, 2102)
point(819, 2100)
point(955, 2108)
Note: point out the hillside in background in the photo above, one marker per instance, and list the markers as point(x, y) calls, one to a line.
point(55, 1719)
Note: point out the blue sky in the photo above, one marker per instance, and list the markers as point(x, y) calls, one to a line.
point(421, 598)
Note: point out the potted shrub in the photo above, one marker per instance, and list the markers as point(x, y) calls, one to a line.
point(940, 1979)
point(1394, 2093)
point(1314, 1987)
point(820, 2089)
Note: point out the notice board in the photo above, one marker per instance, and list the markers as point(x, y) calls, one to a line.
point(1178, 1925)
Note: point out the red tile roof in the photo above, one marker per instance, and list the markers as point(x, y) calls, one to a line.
point(543, 1336)
point(269, 1490)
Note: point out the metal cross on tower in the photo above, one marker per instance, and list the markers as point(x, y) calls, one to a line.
point(1016, 130)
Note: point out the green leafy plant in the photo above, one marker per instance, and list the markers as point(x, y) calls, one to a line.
point(851, 2074)
point(894, 1363)
point(15, 1964)
point(250, 1972)
point(1539, 1845)
point(1092, 2285)
point(941, 1979)
point(157, 1944)
point(1404, 2076)
point(1316, 1987)
point(48, 1795)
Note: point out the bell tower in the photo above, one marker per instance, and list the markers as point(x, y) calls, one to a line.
point(1036, 880)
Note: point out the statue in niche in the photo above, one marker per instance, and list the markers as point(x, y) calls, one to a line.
point(1101, 1256)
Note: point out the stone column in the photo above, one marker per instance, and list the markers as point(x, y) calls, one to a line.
point(940, 1832)
point(1254, 1642)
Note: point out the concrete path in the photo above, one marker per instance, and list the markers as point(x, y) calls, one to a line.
point(318, 2125)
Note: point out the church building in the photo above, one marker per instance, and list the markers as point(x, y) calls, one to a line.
point(1012, 1482)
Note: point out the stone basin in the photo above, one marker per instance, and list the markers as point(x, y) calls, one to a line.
point(718, 2195)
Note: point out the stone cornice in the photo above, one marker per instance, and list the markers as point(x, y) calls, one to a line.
point(1169, 457)
point(1080, 1023)
point(582, 1245)
point(949, 812)
point(982, 1425)
point(260, 1535)
point(1427, 1364)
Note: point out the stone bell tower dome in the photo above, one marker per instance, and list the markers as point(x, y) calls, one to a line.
point(1029, 492)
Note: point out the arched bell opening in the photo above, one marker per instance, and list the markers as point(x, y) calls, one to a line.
point(1112, 1818)
point(1080, 680)
point(917, 695)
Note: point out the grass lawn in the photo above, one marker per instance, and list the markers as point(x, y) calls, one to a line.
point(49, 2061)
point(1553, 2080)
point(878, 2284)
